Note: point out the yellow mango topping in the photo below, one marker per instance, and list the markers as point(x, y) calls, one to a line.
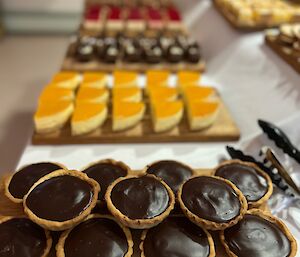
point(52, 108)
point(133, 94)
point(167, 109)
point(125, 78)
point(85, 111)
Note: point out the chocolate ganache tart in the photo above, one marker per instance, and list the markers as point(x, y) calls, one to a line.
point(177, 236)
point(61, 200)
point(140, 201)
point(259, 234)
point(172, 172)
point(254, 183)
point(18, 184)
point(97, 235)
point(106, 172)
point(212, 202)
point(20, 237)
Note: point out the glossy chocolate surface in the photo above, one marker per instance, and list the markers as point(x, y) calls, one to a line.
point(20, 237)
point(96, 237)
point(211, 199)
point(172, 172)
point(153, 54)
point(176, 236)
point(255, 236)
point(60, 198)
point(193, 54)
point(140, 198)
point(85, 53)
point(253, 185)
point(105, 174)
point(24, 179)
point(175, 54)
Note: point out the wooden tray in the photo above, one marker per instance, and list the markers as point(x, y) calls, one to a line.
point(8, 208)
point(283, 52)
point(223, 129)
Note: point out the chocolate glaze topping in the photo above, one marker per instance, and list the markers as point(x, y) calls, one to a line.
point(105, 174)
point(253, 185)
point(96, 237)
point(172, 172)
point(20, 237)
point(60, 198)
point(24, 179)
point(140, 198)
point(176, 236)
point(211, 199)
point(255, 236)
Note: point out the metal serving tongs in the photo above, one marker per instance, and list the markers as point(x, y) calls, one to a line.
point(271, 170)
point(270, 156)
point(280, 138)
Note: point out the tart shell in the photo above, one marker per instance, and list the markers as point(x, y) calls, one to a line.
point(63, 225)
point(269, 192)
point(47, 234)
point(271, 219)
point(139, 223)
point(211, 225)
point(60, 245)
point(9, 178)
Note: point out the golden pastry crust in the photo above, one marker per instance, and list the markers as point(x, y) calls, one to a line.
point(63, 225)
point(139, 223)
point(108, 161)
point(47, 233)
point(212, 252)
point(211, 225)
point(60, 252)
point(271, 219)
point(269, 192)
point(9, 178)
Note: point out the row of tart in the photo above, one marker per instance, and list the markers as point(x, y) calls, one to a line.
point(87, 102)
point(62, 200)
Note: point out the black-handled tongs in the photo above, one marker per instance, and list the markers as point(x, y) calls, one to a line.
point(280, 138)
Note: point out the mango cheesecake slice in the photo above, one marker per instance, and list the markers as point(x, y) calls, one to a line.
point(126, 114)
point(202, 114)
point(125, 78)
point(94, 79)
point(66, 79)
point(130, 94)
point(188, 77)
point(51, 116)
point(88, 117)
point(158, 77)
point(92, 95)
point(163, 93)
point(166, 115)
point(52, 93)
point(196, 93)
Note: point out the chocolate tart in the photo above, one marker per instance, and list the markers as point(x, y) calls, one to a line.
point(18, 184)
point(177, 236)
point(254, 183)
point(172, 172)
point(20, 237)
point(141, 201)
point(97, 235)
point(106, 172)
point(61, 199)
point(259, 234)
point(212, 202)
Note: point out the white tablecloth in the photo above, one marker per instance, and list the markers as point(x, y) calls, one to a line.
point(252, 80)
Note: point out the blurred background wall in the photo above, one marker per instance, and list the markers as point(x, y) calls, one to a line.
point(36, 16)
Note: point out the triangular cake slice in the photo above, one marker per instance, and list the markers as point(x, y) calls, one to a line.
point(92, 95)
point(67, 79)
point(129, 94)
point(94, 79)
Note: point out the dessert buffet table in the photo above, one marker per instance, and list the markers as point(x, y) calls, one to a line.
point(252, 80)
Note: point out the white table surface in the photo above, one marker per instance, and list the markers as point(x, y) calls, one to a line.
point(252, 80)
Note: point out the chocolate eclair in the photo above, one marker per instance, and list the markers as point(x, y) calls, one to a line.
point(213, 202)
point(259, 234)
point(97, 235)
point(18, 185)
point(20, 237)
point(254, 183)
point(177, 236)
point(172, 172)
point(106, 172)
point(62, 199)
point(140, 201)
